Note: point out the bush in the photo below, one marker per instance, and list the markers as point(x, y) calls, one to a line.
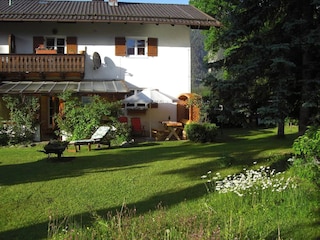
point(4, 138)
point(122, 134)
point(307, 155)
point(19, 134)
point(23, 118)
point(205, 132)
point(307, 146)
point(81, 120)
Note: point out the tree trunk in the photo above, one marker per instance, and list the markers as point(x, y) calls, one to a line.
point(281, 128)
point(304, 114)
point(303, 119)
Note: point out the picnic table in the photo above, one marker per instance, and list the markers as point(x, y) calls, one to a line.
point(173, 128)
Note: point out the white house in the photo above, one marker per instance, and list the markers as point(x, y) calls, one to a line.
point(113, 49)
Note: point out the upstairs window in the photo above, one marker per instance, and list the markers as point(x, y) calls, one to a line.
point(63, 45)
point(56, 43)
point(136, 46)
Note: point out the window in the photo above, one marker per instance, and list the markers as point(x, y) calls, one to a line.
point(61, 44)
point(86, 99)
point(53, 110)
point(56, 43)
point(136, 47)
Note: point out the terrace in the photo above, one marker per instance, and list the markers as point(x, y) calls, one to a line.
point(19, 67)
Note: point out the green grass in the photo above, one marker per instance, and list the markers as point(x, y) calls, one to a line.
point(34, 189)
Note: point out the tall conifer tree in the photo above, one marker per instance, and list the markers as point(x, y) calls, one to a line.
point(271, 59)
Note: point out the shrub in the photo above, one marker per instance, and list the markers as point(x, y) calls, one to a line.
point(23, 117)
point(122, 134)
point(205, 132)
point(4, 138)
point(307, 155)
point(307, 146)
point(81, 120)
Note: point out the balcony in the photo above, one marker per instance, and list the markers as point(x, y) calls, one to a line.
point(33, 67)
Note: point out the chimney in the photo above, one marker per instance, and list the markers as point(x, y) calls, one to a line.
point(113, 3)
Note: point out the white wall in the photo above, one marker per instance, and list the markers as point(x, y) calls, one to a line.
point(169, 71)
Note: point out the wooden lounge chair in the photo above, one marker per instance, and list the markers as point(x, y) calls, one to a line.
point(97, 138)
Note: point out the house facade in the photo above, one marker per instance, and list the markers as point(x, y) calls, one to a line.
point(114, 49)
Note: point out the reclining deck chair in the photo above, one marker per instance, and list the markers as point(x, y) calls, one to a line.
point(96, 138)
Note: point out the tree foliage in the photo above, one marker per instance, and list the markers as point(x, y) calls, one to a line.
point(198, 68)
point(306, 149)
point(270, 59)
point(81, 120)
point(23, 117)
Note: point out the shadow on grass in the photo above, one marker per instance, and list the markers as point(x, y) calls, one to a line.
point(39, 231)
point(311, 232)
point(72, 166)
point(280, 164)
point(237, 151)
point(60, 160)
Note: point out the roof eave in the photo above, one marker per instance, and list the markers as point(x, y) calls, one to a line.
point(192, 24)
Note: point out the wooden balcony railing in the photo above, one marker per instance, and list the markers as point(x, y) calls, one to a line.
point(26, 66)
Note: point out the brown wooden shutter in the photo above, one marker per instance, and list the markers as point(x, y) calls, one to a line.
point(72, 46)
point(120, 46)
point(12, 43)
point(37, 41)
point(61, 107)
point(153, 47)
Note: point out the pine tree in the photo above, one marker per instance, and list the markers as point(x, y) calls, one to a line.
point(271, 59)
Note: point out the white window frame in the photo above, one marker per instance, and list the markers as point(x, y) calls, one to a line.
point(135, 46)
point(55, 45)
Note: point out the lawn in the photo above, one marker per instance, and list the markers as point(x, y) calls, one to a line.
point(34, 189)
